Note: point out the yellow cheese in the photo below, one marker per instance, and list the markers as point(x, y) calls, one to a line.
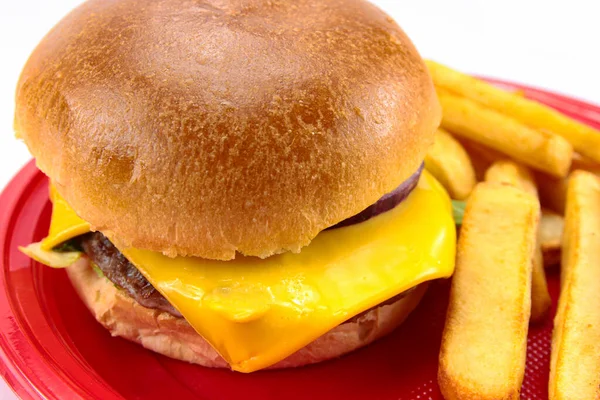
point(257, 312)
point(64, 225)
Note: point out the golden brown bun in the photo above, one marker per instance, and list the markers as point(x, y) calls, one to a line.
point(221, 126)
point(174, 337)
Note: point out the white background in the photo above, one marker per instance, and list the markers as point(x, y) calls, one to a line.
point(552, 44)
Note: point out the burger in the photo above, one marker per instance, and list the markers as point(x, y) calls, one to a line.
point(238, 183)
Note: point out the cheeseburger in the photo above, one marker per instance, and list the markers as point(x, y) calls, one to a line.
point(238, 183)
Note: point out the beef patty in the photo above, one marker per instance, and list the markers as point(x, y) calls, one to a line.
point(127, 277)
point(122, 273)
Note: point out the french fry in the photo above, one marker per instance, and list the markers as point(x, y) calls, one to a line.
point(448, 161)
point(510, 173)
point(585, 163)
point(575, 357)
point(481, 157)
point(484, 342)
point(552, 191)
point(584, 139)
point(551, 231)
point(540, 297)
point(541, 150)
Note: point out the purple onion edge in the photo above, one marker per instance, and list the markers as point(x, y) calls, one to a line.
point(387, 202)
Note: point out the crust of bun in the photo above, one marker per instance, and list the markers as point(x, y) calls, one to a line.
point(211, 128)
point(175, 338)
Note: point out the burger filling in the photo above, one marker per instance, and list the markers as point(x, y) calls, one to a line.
point(123, 274)
point(113, 265)
point(386, 202)
point(257, 312)
point(116, 268)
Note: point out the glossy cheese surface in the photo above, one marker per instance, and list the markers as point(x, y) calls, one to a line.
point(255, 312)
point(64, 225)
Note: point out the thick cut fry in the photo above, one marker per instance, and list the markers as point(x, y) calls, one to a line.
point(448, 161)
point(551, 231)
point(485, 338)
point(540, 297)
point(552, 191)
point(584, 139)
point(575, 358)
point(511, 173)
point(584, 163)
point(544, 151)
point(482, 157)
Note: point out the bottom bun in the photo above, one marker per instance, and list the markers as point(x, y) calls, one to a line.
point(174, 337)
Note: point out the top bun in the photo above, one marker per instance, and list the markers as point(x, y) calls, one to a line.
point(210, 128)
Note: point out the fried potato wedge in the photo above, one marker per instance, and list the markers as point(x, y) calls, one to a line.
point(483, 357)
point(482, 157)
point(513, 174)
point(584, 139)
point(552, 191)
point(448, 161)
point(575, 357)
point(541, 150)
point(540, 297)
point(585, 163)
point(551, 232)
point(510, 173)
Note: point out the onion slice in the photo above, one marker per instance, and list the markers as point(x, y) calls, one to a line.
point(386, 202)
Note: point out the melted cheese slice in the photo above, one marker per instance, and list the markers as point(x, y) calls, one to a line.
point(64, 225)
point(255, 312)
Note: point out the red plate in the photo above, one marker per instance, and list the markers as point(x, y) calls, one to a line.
point(51, 347)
